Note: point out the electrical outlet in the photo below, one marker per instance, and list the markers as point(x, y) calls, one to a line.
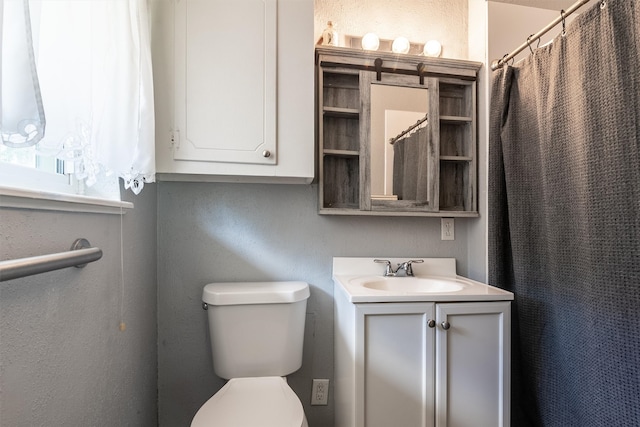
point(447, 231)
point(319, 392)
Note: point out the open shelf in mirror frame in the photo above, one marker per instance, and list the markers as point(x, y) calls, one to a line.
point(396, 134)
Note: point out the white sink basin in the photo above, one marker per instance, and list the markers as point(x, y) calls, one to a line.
point(410, 285)
point(435, 280)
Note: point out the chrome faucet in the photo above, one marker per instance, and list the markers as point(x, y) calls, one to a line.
point(404, 266)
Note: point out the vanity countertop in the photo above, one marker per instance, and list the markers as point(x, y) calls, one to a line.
point(435, 280)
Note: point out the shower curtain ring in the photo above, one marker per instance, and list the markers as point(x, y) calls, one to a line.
point(564, 28)
point(529, 43)
point(502, 60)
point(505, 61)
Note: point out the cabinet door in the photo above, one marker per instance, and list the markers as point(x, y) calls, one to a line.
point(394, 365)
point(473, 364)
point(225, 94)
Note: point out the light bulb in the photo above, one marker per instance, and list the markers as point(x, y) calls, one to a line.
point(370, 42)
point(432, 48)
point(401, 45)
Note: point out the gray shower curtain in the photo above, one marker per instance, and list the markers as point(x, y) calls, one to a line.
point(564, 221)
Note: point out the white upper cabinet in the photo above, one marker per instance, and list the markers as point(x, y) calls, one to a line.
point(239, 93)
point(226, 81)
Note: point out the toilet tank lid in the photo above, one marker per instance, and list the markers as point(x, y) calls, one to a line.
point(235, 293)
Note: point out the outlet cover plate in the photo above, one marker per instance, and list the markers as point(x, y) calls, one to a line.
point(320, 392)
point(447, 229)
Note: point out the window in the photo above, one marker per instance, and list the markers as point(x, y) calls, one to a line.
point(77, 94)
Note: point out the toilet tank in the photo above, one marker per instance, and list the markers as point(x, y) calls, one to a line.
point(256, 328)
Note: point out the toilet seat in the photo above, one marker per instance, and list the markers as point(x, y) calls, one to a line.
point(252, 402)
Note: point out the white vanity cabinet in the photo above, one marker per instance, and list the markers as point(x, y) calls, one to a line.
point(421, 364)
point(240, 91)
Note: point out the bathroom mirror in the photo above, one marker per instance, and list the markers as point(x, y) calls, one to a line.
point(401, 157)
point(399, 142)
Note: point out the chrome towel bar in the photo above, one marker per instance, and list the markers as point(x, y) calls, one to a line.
point(81, 254)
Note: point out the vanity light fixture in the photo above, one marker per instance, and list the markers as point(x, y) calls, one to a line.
point(432, 48)
point(401, 45)
point(370, 41)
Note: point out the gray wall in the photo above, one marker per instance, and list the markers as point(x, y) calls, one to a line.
point(63, 359)
point(211, 232)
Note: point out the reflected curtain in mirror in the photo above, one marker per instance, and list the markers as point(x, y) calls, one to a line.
point(410, 175)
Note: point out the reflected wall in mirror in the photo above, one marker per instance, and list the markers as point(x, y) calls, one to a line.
point(399, 142)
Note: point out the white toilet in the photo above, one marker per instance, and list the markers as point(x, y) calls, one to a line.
point(257, 331)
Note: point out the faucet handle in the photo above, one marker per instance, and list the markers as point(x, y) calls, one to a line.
point(388, 270)
point(407, 265)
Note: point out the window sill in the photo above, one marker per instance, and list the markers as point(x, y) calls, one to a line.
point(18, 198)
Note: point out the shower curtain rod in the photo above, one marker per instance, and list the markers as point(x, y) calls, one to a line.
point(497, 63)
point(409, 129)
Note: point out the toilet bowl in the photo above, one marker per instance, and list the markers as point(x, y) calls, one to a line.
point(252, 402)
point(257, 332)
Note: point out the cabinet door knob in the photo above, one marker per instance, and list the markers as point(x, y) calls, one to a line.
point(445, 325)
point(431, 323)
point(266, 153)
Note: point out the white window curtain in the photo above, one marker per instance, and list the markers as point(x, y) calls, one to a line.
point(21, 110)
point(93, 63)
